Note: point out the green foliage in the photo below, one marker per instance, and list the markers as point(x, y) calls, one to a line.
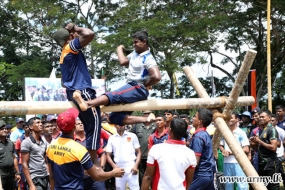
point(246, 28)
point(178, 30)
point(181, 33)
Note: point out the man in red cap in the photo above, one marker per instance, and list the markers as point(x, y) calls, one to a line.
point(67, 159)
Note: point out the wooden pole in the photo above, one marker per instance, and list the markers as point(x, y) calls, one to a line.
point(43, 107)
point(226, 132)
point(269, 56)
point(236, 90)
point(240, 81)
point(196, 84)
point(202, 94)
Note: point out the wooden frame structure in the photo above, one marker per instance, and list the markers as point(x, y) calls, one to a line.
point(221, 118)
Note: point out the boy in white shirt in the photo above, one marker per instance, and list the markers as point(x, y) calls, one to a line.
point(127, 154)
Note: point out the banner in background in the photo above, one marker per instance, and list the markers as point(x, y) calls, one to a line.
point(50, 89)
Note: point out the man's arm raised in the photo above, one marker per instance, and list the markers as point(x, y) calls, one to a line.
point(123, 60)
point(85, 34)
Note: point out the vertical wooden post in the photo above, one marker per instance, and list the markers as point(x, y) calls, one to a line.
point(0, 182)
point(269, 55)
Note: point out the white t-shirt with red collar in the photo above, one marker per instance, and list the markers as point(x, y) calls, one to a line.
point(171, 160)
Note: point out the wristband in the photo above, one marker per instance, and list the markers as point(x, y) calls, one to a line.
point(18, 173)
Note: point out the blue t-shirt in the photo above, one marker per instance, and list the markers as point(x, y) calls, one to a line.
point(73, 66)
point(16, 134)
point(281, 124)
point(201, 144)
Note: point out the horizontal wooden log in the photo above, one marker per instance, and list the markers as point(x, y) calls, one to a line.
point(43, 107)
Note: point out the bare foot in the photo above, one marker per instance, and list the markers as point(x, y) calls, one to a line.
point(151, 118)
point(77, 97)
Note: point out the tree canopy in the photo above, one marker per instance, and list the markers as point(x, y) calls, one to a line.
point(181, 33)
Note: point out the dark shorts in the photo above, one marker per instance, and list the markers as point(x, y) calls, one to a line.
point(129, 93)
point(91, 118)
point(41, 183)
point(202, 183)
point(269, 168)
point(89, 184)
point(8, 182)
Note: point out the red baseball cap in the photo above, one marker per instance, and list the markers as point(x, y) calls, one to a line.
point(66, 120)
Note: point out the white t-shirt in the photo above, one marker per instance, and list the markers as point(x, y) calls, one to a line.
point(241, 137)
point(44, 139)
point(280, 150)
point(171, 160)
point(123, 147)
point(139, 64)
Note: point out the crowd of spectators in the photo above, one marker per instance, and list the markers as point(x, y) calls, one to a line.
point(260, 133)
